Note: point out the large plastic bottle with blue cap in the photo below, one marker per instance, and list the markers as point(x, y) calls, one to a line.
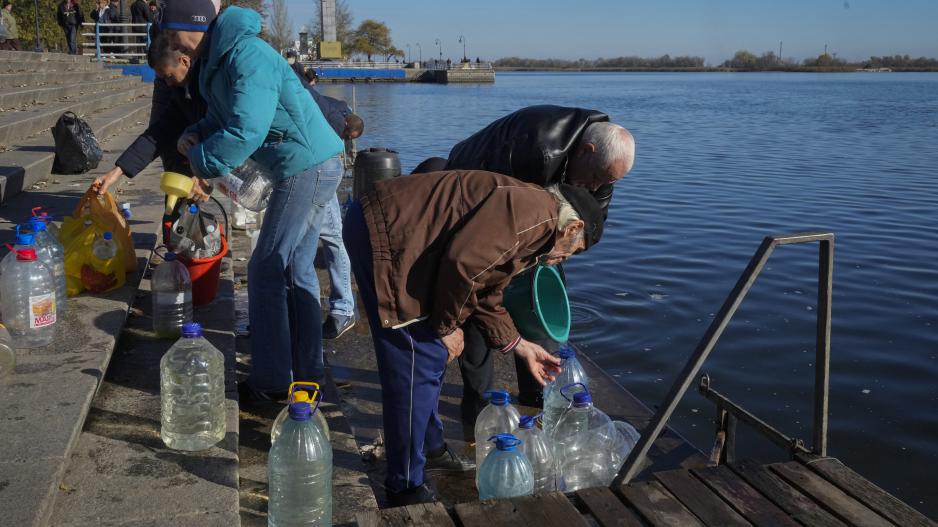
point(584, 441)
point(299, 472)
point(499, 417)
point(539, 453)
point(52, 254)
point(192, 392)
point(171, 289)
point(506, 472)
point(572, 372)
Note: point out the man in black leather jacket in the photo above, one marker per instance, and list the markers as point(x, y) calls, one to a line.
point(544, 145)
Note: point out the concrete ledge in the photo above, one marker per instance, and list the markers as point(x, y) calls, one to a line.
point(32, 161)
point(32, 56)
point(14, 65)
point(16, 98)
point(16, 126)
point(12, 81)
point(43, 405)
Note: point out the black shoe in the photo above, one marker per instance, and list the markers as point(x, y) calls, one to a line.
point(336, 325)
point(448, 461)
point(421, 494)
point(249, 396)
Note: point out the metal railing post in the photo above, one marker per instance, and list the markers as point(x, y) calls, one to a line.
point(650, 434)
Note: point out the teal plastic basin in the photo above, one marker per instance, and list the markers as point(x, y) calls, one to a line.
point(538, 304)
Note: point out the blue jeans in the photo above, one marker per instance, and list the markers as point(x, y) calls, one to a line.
point(286, 325)
point(411, 364)
point(341, 299)
point(71, 37)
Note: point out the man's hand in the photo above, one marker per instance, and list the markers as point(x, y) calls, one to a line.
point(103, 183)
point(540, 362)
point(186, 142)
point(454, 342)
point(201, 190)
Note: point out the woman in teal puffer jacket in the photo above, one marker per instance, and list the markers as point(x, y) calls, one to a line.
point(257, 108)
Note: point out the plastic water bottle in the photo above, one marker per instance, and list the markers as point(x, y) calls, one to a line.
point(125, 211)
point(299, 396)
point(626, 439)
point(499, 417)
point(40, 214)
point(28, 293)
point(572, 372)
point(299, 473)
point(211, 242)
point(583, 443)
point(52, 254)
point(172, 297)
point(192, 392)
point(249, 185)
point(105, 248)
point(506, 472)
point(23, 241)
point(7, 355)
point(538, 452)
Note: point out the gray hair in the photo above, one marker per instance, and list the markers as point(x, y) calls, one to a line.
point(612, 142)
point(566, 214)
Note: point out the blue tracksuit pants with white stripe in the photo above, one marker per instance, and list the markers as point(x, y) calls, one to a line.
point(411, 364)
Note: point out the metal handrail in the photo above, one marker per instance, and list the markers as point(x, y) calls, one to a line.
point(99, 51)
point(651, 432)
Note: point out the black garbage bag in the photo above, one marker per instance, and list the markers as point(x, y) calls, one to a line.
point(76, 148)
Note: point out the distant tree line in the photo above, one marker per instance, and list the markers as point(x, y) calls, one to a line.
point(662, 62)
point(743, 60)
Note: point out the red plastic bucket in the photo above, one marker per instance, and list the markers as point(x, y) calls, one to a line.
point(205, 274)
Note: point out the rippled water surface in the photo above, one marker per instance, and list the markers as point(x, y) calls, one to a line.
point(724, 160)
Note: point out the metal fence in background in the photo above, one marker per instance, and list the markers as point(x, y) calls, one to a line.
point(115, 42)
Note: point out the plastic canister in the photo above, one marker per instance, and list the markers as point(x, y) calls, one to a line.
point(372, 165)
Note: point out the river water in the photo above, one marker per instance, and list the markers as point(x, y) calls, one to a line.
point(722, 161)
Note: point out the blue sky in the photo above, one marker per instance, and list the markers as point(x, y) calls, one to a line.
point(715, 29)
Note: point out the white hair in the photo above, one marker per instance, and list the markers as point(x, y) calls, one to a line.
point(566, 214)
point(612, 142)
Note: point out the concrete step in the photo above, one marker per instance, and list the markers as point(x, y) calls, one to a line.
point(14, 65)
point(32, 56)
point(45, 403)
point(18, 98)
point(18, 126)
point(120, 473)
point(31, 161)
point(12, 81)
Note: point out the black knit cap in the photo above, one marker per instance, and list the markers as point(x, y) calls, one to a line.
point(188, 15)
point(588, 209)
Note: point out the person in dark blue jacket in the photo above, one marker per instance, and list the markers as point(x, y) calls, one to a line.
point(258, 109)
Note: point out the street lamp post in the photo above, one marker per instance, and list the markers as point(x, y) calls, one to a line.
point(438, 43)
point(419, 53)
point(38, 44)
point(465, 42)
point(408, 52)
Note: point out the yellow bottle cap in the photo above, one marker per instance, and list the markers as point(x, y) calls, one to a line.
point(300, 396)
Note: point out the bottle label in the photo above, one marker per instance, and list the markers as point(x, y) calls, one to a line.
point(41, 311)
point(165, 298)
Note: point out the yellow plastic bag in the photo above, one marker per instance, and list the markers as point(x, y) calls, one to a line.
point(83, 271)
point(105, 213)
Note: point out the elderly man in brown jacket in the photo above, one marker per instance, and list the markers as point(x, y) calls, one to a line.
point(429, 251)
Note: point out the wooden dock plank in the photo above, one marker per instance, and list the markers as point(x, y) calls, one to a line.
point(826, 493)
point(700, 500)
point(421, 515)
point(800, 507)
point(867, 492)
point(552, 509)
point(657, 505)
point(748, 501)
point(607, 509)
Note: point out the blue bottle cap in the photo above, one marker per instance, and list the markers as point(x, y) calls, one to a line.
point(497, 397)
point(300, 411)
point(169, 256)
point(527, 421)
point(193, 209)
point(37, 225)
point(505, 442)
point(581, 399)
point(108, 235)
point(25, 239)
point(191, 330)
point(567, 352)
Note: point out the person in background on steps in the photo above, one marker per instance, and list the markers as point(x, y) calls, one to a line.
point(565, 145)
point(259, 109)
point(140, 14)
point(423, 271)
point(177, 104)
point(70, 19)
point(9, 34)
point(311, 76)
